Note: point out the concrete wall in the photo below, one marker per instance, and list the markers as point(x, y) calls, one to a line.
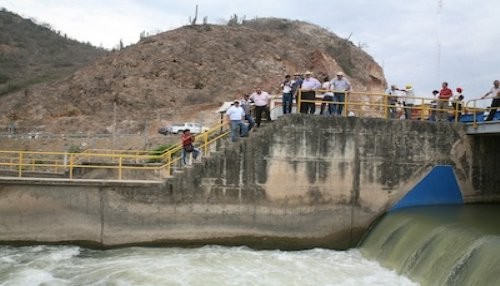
point(301, 182)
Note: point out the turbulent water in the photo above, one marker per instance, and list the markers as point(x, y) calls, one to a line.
point(209, 265)
point(440, 245)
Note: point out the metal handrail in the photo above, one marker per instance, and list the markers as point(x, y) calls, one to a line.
point(481, 111)
point(65, 163)
point(381, 101)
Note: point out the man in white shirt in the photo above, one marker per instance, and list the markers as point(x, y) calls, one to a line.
point(392, 99)
point(235, 114)
point(261, 100)
point(408, 100)
point(340, 86)
point(495, 92)
point(308, 92)
point(287, 101)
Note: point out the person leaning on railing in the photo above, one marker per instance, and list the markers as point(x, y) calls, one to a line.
point(495, 91)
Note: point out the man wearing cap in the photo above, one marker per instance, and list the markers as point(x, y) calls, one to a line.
point(246, 104)
point(307, 92)
point(286, 87)
point(235, 114)
point(296, 83)
point(340, 86)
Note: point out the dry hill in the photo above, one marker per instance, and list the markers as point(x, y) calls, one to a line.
point(185, 74)
point(32, 53)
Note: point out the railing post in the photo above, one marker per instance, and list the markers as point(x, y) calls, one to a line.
point(169, 161)
point(474, 122)
point(346, 100)
point(120, 160)
point(299, 101)
point(71, 161)
point(386, 106)
point(20, 165)
point(205, 143)
point(422, 109)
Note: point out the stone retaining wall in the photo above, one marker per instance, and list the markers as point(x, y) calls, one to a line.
point(300, 182)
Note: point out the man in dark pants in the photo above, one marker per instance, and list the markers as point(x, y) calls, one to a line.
point(495, 91)
point(262, 100)
point(296, 83)
point(286, 87)
point(246, 103)
point(309, 85)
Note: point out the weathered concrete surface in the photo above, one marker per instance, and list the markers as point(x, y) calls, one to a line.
point(301, 182)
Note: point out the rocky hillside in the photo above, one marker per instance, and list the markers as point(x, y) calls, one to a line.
point(32, 53)
point(185, 74)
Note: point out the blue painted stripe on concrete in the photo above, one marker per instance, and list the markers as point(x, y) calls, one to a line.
point(437, 188)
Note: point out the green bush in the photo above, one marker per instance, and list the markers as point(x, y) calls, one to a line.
point(74, 149)
point(158, 151)
point(4, 78)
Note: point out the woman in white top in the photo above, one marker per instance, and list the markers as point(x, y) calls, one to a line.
point(327, 96)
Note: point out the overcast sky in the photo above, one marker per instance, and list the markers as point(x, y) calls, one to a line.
point(420, 42)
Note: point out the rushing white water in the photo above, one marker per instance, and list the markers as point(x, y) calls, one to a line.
point(209, 265)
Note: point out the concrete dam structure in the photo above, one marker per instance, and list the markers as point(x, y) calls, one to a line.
point(300, 182)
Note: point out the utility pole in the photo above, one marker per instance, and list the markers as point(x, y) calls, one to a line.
point(439, 8)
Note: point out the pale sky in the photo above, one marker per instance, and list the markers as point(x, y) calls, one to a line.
point(420, 42)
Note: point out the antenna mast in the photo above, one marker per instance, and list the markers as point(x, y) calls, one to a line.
point(439, 8)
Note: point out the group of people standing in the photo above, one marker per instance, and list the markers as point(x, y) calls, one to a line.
point(306, 86)
point(239, 112)
point(334, 91)
point(404, 99)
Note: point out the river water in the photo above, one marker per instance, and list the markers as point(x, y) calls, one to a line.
point(209, 265)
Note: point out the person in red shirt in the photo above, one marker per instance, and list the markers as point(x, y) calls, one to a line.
point(187, 140)
point(444, 96)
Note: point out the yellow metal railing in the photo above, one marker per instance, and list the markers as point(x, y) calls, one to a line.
point(65, 164)
point(478, 114)
point(161, 163)
point(379, 105)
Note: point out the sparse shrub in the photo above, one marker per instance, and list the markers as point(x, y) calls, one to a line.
point(4, 78)
point(158, 151)
point(199, 85)
point(74, 149)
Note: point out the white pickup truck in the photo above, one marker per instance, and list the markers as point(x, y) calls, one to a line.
point(176, 128)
